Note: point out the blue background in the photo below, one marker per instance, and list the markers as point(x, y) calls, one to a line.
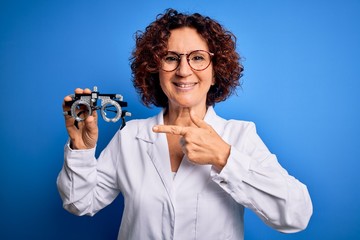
point(301, 87)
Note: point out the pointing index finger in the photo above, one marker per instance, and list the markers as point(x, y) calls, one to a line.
point(198, 121)
point(172, 129)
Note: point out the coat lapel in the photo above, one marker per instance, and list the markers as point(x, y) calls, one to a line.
point(158, 151)
point(202, 171)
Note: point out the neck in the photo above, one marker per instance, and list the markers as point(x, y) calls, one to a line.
point(181, 116)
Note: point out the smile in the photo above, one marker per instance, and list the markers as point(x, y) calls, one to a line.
point(185, 85)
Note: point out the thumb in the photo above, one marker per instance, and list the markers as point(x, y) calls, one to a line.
point(198, 121)
point(90, 136)
point(91, 125)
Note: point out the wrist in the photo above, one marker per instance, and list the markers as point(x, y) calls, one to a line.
point(222, 158)
point(74, 145)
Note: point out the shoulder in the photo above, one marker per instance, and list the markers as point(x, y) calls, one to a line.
point(240, 125)
point(238, 129)
point(234, 130)
point(232, 125)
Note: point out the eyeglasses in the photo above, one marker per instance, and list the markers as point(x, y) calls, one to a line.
point(198, 60)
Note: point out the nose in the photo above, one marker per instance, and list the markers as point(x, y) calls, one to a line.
point(184, 68)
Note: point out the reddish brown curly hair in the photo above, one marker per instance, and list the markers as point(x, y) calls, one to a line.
point(151, 46)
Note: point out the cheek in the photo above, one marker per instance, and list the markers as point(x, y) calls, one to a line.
point(213, 77)
point(161, 79)
point(164, 81)
point(209, 75)
point(209, 78)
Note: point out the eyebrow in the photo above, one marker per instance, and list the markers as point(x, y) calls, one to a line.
point(188, 51)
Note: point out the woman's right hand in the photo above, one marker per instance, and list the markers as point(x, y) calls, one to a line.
point(85, 134)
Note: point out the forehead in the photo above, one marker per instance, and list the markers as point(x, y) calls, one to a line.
point(185, 40)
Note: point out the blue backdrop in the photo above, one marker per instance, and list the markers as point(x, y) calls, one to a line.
point(301, 87)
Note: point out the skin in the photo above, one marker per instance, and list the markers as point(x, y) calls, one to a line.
point(186, 89)
point(86, 136)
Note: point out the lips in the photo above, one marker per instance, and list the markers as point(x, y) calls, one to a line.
point(185, 85)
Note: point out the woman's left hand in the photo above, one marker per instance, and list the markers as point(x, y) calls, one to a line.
point(201, 144)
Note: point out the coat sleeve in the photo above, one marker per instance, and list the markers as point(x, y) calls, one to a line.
point(86, 184)
point(255, 179)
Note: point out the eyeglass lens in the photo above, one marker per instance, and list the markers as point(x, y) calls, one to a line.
point(198, 60)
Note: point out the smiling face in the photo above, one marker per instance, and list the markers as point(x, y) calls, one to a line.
point(185, 87)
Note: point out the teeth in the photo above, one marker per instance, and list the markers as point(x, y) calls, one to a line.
point(185, 85)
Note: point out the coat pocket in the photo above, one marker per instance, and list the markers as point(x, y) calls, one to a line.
point(217, 216)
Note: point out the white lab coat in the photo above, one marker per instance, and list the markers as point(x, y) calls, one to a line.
point(199, 203)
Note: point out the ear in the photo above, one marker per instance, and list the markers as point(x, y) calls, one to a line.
point(213, 80)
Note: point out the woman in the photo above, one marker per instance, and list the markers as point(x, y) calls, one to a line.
point(185, 173)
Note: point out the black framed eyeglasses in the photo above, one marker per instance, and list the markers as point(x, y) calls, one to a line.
point(198, 60)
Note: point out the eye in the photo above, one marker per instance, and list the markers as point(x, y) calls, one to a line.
point(197, 57)
point(171, 57)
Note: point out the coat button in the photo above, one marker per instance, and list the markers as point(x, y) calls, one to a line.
point(223, 182)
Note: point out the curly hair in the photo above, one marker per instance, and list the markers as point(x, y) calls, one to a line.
point(151, 46)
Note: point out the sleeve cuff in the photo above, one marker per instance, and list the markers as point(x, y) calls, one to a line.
point(237, 166)
point(79, 157)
